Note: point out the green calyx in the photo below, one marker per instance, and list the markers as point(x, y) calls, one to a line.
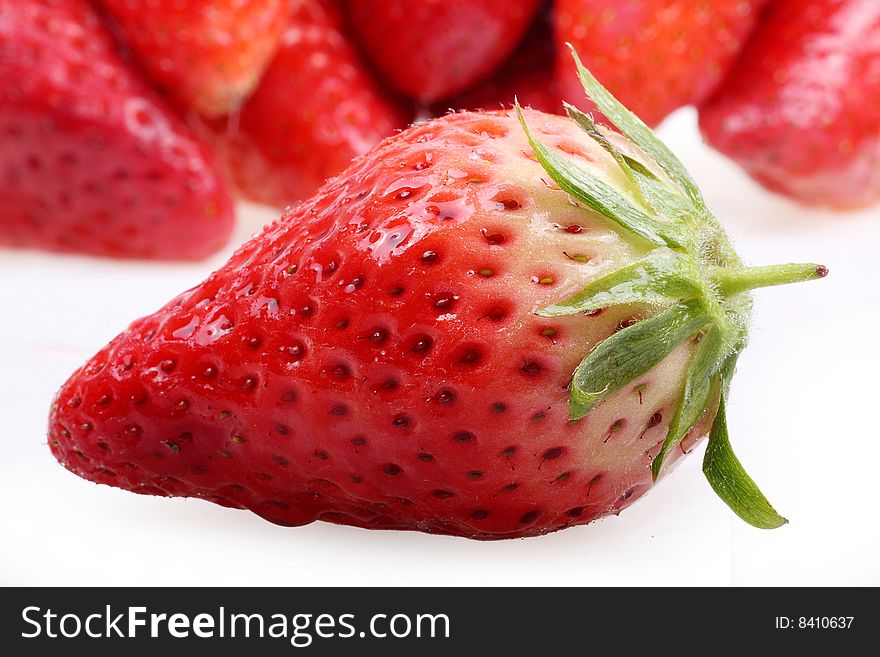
point(691, 278)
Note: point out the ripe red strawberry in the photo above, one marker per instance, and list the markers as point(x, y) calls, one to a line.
point(433, 49)
point(402, 350)
point(91, 159)
point(315, 109)
point(207, 56)
point(655, 55)
point(799, 111)
point(522, 76)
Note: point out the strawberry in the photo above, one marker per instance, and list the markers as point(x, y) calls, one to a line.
point(91, 159)
point(478, 329)
point(315, 109)
point(208, 59)
point(655, 55)
point(522, 76)
point(432, 49)
point(799, 110)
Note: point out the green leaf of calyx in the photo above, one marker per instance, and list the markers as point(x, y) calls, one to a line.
point(699, 382)
point(596, 194)
point(730, 481)
point(653, 192)
point(667, 201)
point(663, 277)
point(727, 369)
point(630, 353)
point(585, 122)
point(634, 128)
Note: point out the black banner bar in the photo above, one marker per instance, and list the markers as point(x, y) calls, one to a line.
point(423, 621)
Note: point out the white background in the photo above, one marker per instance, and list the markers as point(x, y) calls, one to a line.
point(804, 419)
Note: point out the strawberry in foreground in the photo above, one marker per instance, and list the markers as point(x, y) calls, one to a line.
point(91, 159)
point(207, 56)
point(432, 49)
point(799, 111)
point(315, 109)
point(464, 333)
point(654, 55)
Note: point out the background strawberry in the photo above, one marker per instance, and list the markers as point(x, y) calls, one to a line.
point(799, 111)
point(315, 109)
point(207, 56)
point(397, 351)
point(655, 55)
point(524, 75)
point(91, 159)
point(432, 49)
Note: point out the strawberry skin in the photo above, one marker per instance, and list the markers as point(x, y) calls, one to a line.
point(207, 58)
point(91, 160)
point(654, 55)
point(373, 359)
point(316, 108)
point(432, 49)
point(799, 111)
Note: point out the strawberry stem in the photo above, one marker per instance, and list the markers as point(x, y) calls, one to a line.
point(734, 281)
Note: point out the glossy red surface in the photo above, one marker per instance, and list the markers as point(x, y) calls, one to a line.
point(91, 159)
point(653, 55)
point(207, 56)
point(800, 111)
point(432, 49)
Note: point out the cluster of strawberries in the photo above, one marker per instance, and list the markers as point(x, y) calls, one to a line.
point(124, 124)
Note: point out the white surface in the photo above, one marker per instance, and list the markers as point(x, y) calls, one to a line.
point(803, 418)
